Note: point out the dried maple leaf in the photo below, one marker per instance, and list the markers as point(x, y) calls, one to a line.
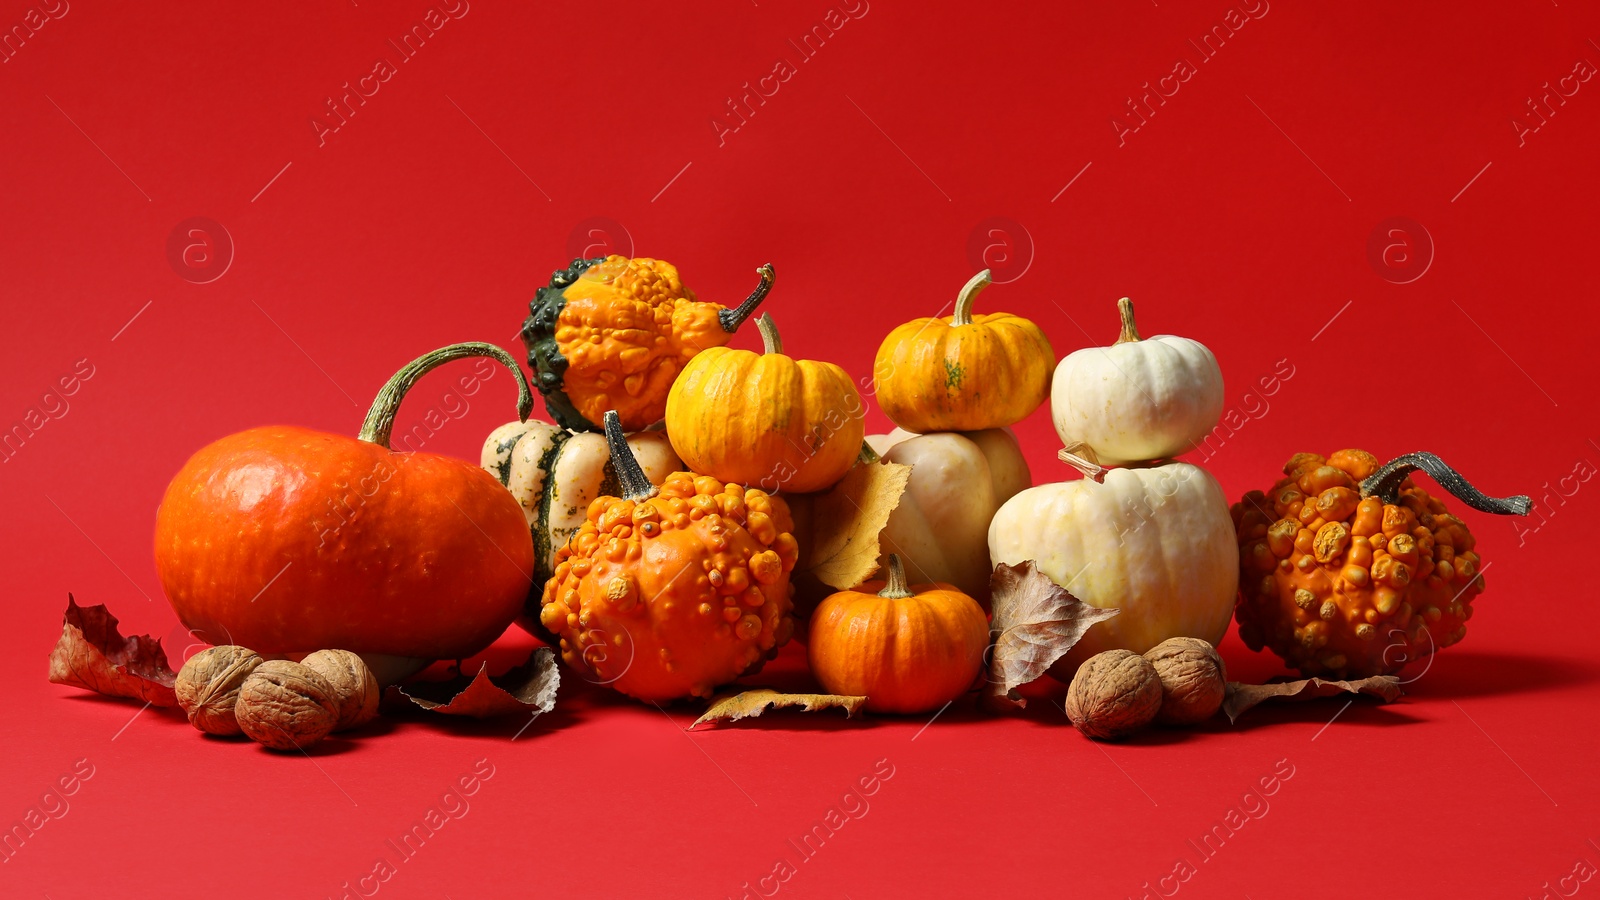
point(846, 520)
point(1243, 696)
point(92, 654)
point(733, 707)
point(531, 685)
point(1035, 623)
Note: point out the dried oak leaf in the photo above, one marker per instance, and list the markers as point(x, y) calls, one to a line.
point(531, 685)
point(1035, 623)
point(846, 520)
point(733, 707)
point(92, 654)
point(1243, 696)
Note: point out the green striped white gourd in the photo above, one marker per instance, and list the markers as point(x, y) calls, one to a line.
point(555, 474)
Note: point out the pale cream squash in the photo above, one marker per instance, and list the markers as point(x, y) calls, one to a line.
point(1156, 543)
point(958, 480)
point(1138, 399)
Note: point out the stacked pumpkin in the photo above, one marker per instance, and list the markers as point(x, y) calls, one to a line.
point(663, 559)
point(954, 385)
point(740, 427)
point(1139, 532)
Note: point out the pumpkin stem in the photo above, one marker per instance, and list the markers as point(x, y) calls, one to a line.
point(731, 319)
point(867, 456)
point(1082, 457)
point(1385, 485)
point(635, 484)
point(894, 588)
point(969, 292)
point(771, 340)
point(1130, 331)
point(380, 418)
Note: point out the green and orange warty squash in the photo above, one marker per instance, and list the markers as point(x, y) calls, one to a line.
point(613, 333)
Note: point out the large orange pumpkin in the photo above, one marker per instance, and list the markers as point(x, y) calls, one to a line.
point(963, 372)
point(287, 540)
point(764, 419)
point(905, 649)
point(669, 593)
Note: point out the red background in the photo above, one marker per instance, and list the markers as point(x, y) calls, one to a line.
point(1240, 214)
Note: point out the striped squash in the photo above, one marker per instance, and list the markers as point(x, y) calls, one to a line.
point(555, 474)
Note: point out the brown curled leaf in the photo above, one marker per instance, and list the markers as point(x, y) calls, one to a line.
point(733, 707)
point(1244, 696)
point(92, 654)
point(1036, 622)
point(529, 686)
point(846, 520)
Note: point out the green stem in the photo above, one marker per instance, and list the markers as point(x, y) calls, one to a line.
point(894, 587)
point(380, 418)
point(731, 319)
point(969, 292)
point(1385, 485)
point(635, 484)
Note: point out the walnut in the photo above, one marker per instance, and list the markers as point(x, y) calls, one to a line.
point(354, 686)
point(1193, 680)
point(286, 706)
point(1114, 694)
point(208, 687)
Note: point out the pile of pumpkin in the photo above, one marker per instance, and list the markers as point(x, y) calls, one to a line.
point(655, 531)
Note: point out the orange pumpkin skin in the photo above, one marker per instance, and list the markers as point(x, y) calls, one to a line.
point(287, 540)
point(648, 324)
point(612, 333)
point(674, 595)
point(963, 372)
point(765, 419)
point(1345, 573)
point(906, 654)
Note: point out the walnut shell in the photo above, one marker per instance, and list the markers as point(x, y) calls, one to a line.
point(1194, 680)
point(286, 706)
point(208, 687)
point(1114, 694)
point(354, 686)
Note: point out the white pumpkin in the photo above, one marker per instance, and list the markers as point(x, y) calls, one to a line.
point(1156, 543)
point(1138, 399)
point(958, 481)
point(555, 474)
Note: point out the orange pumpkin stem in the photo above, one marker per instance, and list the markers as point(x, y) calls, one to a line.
point(634, 483)
point(731, 319)
point(1130, 331)
point(380, 418)
point(771, 340)
point(969, 292)
point(894, 588)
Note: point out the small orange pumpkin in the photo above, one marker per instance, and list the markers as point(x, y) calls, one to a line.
point(963, 372)
point(765, 419)
point(907, 650)
point(669, 593)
